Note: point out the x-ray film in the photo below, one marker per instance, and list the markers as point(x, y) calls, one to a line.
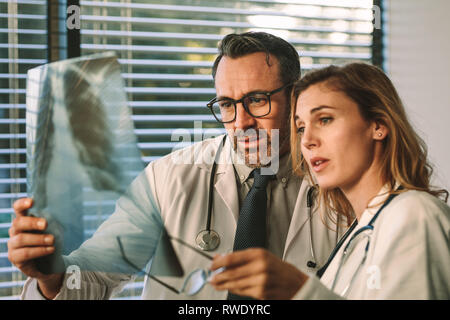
point(81, 148)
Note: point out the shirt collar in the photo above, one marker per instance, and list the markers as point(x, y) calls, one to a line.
point(283, 174)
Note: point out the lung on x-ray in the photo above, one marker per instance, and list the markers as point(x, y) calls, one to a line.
point(81, 147)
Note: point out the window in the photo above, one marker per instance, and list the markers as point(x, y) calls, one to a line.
point(166, 49)
point(23, 33)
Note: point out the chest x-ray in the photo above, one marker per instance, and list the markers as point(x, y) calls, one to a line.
point(81, 147)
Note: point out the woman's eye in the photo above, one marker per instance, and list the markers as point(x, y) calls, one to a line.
point(301, 130)
point(325, 120)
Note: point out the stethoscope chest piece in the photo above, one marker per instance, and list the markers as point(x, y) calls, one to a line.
point(207, 240)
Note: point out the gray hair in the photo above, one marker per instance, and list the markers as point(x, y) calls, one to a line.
point(238, 45)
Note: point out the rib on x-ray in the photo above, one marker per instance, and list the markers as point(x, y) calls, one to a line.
point(81, 148)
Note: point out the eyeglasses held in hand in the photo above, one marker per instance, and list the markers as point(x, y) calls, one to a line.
point(193, 283)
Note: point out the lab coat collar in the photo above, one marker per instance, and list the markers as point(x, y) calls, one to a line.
point(379, 199)
point(225, 184)
point(208, 153)
point(375, 204)
point(299, 217)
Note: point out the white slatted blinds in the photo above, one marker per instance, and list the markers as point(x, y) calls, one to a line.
point(166, 49)
point(23, 45)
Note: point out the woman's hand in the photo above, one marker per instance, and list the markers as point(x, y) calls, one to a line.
point(257, 273)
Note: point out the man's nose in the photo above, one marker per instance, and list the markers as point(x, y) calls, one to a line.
point(243, 119)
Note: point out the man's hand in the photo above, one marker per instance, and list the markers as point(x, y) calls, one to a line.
point(257, 273)
point(24, 247)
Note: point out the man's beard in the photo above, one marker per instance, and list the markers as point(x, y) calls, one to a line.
point(262, 147)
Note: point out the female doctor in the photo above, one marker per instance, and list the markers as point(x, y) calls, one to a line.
point(351, 136)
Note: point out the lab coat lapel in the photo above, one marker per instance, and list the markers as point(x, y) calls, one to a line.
point(299, 218)
point(225, 184)
point(226, 188)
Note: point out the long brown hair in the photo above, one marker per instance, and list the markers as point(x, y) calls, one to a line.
point(405, 160)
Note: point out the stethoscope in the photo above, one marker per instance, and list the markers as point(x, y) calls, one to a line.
point(208, 239)
point(309, 203)
point(321, 271)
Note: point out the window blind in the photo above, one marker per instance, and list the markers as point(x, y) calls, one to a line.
point(166, 49)
point(23, 45)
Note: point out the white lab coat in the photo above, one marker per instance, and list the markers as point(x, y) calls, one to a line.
point(408, 256)
point(177, 195)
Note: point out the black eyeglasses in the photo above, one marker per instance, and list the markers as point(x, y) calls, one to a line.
point(194, 281)
point(256, 104)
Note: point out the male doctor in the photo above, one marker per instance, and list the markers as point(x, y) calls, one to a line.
point(253, 74)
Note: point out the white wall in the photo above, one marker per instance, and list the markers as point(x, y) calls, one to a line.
point(418, 62)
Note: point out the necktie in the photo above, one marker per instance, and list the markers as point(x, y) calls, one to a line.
point(251, 227)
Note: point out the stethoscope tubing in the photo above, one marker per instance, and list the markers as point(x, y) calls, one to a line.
point(309, 203)
point(370, 226)
point(212, 236)
point(211, 183)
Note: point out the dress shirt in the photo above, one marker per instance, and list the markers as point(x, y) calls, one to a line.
point(282, 193)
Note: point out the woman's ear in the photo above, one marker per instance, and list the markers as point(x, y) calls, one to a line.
point(380, 131)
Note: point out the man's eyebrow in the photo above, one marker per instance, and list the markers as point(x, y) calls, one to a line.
point(248, 93)
point(223, 98)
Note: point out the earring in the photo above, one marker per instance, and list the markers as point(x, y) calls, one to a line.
point(380, 134)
